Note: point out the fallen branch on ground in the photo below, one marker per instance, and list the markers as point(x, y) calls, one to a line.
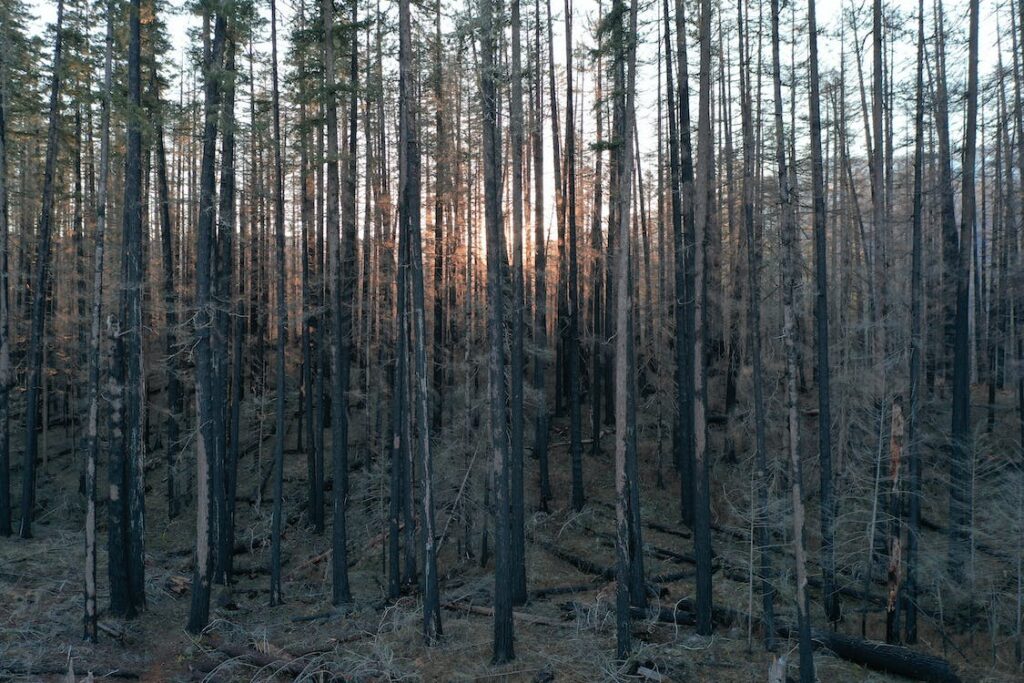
point(519, 616)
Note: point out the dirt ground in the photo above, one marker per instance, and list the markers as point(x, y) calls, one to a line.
point(305, 639)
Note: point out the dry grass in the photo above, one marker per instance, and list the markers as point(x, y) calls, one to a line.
point(40, 593)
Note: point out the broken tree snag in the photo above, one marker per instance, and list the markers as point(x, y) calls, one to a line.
point(893, 659)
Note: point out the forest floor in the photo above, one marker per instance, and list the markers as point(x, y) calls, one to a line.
point(41, 596)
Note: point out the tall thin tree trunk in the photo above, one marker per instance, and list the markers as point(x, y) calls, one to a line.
point(339, 418)
point(175, 405)
point(518, 536)
point(282, 324)
point(703, 219)
point(93, 392)
point(960, 498)
point(761, 519)
point(828, 505)
point(34, 360)
point(503, 628)
point(540, 265)
point(5, 345)
point(789, 228)
point(916, 344)
point(199, 612)
point(573, 333)
point(625, 369)
point(225, 467)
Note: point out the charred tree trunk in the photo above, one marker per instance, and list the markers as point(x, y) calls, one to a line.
point(518, 536)
point(916, 343)
point(761, 520)
point(626, 481)
point(503, 634)
point(960, 503)
point(828, 505)
point(205, 442)
point(34, 360)
point(282, 325)
point(789, 228)
point(703, 219)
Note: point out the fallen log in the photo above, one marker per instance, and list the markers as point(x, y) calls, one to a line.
point(892, 659)
point(542, 593)
point(61, 669)
point(665, 615)
point(678, 576)
point(518, 616)
point(588, 567)
point(608, 540)
point(276, 657)
point(581, 563)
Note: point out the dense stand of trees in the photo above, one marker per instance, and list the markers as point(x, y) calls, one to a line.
point(805, 302)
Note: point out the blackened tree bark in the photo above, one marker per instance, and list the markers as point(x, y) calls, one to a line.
point(703, 219)
point(681, 353)
point(503, 633)
point(540, 266)
point(573, 333)
point(960, 503)
point(34, 359)
point(517, 512)
point(685, 431)
point(339, 413)
point(410, 207)
point(761, 484)
point(93, 390)
point(788, 228)
point(916, 346)
point(947, 198)
point(599, 323)
point(175, 404)
point(828, 507)
point(5, 345)
point(199, 612)
point(225, 475)
point(130, 336)
point(282, 323)
point(626, 482)
point(440, 197)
